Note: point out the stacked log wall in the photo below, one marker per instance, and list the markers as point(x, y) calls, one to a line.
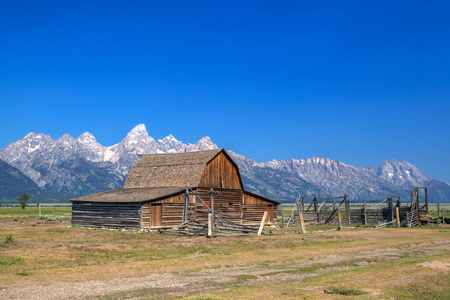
point(106, 215)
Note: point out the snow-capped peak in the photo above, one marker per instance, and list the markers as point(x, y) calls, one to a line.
point(171, 138)
point(86, 138)
point(139, 128)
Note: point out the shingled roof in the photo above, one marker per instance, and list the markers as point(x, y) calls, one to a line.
point(132, 195)
point(170, 170)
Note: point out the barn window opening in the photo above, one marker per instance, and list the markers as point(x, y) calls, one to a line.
point(230, 204)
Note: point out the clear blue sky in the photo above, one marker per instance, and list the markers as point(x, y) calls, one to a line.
point(356, 81)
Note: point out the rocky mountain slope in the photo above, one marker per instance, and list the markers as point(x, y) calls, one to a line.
point(406, 175)
point(13, 183)
point(333, 177)
point(75, 167)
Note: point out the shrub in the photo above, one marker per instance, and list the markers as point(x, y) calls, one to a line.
point(9, 239)
point(51, 218)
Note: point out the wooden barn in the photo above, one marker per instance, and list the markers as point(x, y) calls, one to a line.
point(162, 188)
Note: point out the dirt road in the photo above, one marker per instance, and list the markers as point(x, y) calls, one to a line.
point(161, 285)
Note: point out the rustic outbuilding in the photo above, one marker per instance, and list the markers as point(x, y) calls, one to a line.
point(162, 187)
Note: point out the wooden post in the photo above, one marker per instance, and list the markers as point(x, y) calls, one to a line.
point(398, 216)
point(185, 207)
point(348, 212)
point(365, 212)
point(212, 208)
point(323, 209)
point(315, 204)
point(391, 215)
point(39, 209)
point(300, 214)
point(242, 216)
point(209, 225)
point(339, 217)
point(261, 227)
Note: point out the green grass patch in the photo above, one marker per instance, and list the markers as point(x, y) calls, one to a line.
point(245, 277)
point(51, 218)
point(34, 211)
point(429, 287)
point(8, 261)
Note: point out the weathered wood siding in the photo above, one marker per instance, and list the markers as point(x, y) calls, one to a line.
point(233, 202)
point(221, 173)
point(171, 212)
point(106, 215)
point(225, 201)
point(254, 208)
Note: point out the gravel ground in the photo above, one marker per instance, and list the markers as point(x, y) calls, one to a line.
point(184, 284)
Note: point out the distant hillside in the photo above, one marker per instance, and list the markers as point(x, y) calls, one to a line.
point(13, 182)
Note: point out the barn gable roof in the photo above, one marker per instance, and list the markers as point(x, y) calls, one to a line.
point(163, 170)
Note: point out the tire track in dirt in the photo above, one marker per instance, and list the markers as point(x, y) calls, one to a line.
point(160, 285)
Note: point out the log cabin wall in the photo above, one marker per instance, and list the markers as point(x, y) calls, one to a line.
point(169, 214)
point(225, 201)
point(106, 215)
point(254, 207)
point(221, 173)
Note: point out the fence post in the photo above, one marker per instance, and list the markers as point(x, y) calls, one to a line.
point(348, 213)
point(186, 205)
point(398, 216)
point(365, 212)
point(212, 208)
point(209, 225)
point(315, 204)
point(300, 214)
point(261, 227)
point(339, 217)
point(323, 208)
point(389, 203)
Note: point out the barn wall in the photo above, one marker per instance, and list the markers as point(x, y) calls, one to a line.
point(254, 208)
point(221, 173)
point(106, 215)
point(171, 212)
point(225, 201)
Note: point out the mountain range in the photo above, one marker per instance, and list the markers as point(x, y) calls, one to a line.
point(71, 167)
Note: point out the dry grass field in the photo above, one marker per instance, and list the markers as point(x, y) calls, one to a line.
point(46, 259)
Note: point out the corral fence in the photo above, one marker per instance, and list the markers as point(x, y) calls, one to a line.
point(378, 212)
